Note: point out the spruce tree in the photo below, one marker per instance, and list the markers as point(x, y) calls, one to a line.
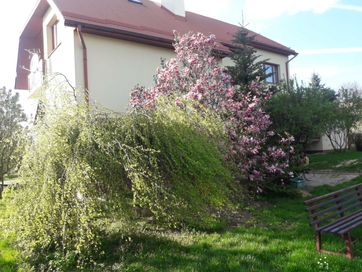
point(248, 66)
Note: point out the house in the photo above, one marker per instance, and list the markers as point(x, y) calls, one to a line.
point(107, 47)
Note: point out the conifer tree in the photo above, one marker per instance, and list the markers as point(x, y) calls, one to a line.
point(248, 66)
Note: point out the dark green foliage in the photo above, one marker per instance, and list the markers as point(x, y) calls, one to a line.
point(358, 141)
point(304, 112)
point(316, 84)
point(247, 64)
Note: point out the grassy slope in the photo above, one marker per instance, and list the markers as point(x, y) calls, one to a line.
point(277, 239)
point(331, 160)
point(7, 252)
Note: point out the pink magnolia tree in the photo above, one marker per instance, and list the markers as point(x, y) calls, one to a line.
point(195, 74)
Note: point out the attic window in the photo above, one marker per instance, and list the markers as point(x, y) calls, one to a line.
point(136, 1)
point(52, 35)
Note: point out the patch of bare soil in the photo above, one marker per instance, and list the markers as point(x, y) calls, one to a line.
point(347, 163)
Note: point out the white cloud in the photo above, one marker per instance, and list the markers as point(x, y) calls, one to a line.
point(348, 7)
point(330, 51)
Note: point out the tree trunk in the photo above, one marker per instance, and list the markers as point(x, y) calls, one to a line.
point(1, 185)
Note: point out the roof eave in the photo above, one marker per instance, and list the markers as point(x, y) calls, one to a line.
point(286, 52)
point(120, 34)
point(154, 40)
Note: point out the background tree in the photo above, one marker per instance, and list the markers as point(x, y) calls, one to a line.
point(303, 111)
point(11, 116)
point(248, 66)
point(316, 84)
point(346, 116)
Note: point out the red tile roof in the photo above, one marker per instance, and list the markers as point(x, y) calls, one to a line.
point(148, 23)
point(152, 20)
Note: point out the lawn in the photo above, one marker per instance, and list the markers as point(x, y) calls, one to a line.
point(8, 261)
point(349, 161)
point(276, 237)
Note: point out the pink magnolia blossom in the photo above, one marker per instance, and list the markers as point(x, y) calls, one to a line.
point(195, 74)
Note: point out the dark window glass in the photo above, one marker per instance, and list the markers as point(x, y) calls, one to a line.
point(54, 35)
point(271, 70)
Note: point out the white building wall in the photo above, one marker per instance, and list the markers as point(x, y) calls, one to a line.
point(61, 59)
point(115, 67)
point(269, 57)
point(324, 144)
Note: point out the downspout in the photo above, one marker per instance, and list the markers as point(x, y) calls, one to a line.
point(85, 64)
point(287, 70)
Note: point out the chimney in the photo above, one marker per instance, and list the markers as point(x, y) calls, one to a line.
point(177, 7)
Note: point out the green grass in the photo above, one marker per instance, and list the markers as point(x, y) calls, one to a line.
point(330, 161)
point(277, 238)
point(8, 255)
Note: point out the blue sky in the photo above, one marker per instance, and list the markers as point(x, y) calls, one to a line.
point(326, 33)
point(322, 34)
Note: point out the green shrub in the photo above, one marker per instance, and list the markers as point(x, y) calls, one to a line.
point(84, 168)
point(188, 176)
point(358, 141)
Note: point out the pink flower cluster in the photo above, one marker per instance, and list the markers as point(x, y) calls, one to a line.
point(195, 74)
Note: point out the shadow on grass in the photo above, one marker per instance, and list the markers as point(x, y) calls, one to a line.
point(240, 250)
point(281, 240)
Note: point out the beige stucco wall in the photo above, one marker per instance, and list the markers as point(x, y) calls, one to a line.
point(274, 58)
point(269, 57)
point(116, 66)
point(62, 59)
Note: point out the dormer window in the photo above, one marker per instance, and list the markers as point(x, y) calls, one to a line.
point(136, 1)
point(54, 31)
point(53, 35)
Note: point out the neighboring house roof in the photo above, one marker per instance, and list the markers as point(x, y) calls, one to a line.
point(149, 23)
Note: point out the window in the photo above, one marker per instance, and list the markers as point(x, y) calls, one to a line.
point(53, 35)
point(271, 70)
point(136, 1)
point(54, 32)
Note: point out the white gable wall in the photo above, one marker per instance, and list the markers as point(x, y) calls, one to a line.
point(115, 67)
point(269, 57)
point(62, 59)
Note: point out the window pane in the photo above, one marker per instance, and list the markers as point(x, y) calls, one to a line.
point(271, 71)
point(55, 35)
